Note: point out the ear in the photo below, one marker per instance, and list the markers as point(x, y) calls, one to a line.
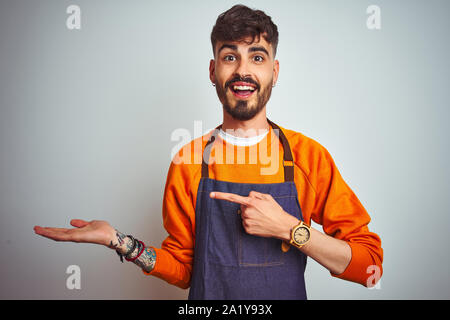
point(212, 70)
point(276, 70)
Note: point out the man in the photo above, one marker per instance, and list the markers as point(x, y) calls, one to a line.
point(239, 229)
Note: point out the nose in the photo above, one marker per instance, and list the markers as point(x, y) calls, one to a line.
point(242, 69)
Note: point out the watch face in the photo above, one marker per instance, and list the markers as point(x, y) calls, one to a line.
point(301, 235)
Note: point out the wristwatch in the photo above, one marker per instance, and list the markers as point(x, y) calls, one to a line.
point(300, 235)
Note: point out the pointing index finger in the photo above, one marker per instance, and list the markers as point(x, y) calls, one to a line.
point(229, 197)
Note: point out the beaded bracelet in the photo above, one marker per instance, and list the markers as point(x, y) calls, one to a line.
point(139, 254)
point(131, 250)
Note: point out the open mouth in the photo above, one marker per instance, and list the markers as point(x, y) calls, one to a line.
point(242, 90)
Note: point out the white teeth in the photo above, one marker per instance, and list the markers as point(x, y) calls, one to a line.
point(243, 88)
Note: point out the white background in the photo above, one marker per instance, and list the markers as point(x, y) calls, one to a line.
point(86, 119)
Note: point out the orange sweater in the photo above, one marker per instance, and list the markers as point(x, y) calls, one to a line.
point(323, 195)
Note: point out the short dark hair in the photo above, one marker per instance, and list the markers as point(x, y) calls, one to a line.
point(240, 22)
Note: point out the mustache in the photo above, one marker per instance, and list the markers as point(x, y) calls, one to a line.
point(237, 78)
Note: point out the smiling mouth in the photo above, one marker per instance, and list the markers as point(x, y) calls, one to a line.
point(242, 90)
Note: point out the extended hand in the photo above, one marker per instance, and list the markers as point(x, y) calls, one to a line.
point(261, 214)
point(95, 231)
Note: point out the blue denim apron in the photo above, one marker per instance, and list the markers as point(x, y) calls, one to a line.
point(232, 264)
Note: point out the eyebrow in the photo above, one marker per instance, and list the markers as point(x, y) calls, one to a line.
point(251, 49)
point(230, 46)
point(256, 49)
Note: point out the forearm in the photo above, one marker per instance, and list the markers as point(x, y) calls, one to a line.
point(123, 245)
point(332, 253)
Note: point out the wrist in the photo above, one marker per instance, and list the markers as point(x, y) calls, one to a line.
point(136, 252)
point(119, 241)
point(289, 223)
point(126, 246)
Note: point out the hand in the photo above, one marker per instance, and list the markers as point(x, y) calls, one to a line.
point(95, 231)
point(261, 214)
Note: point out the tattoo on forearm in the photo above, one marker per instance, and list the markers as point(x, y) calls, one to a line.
point(124, 244)
point(120, 237)
point(119, 242)
point(147, 259)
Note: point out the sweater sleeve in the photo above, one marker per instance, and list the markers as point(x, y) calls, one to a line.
point(343, 217)
point(175, 257)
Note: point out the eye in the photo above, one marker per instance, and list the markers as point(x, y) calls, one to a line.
point(229, 57)
point(258, 58)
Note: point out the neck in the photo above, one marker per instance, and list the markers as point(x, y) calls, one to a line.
point(247, 128)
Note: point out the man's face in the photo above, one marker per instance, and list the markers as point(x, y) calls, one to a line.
point(244, 75)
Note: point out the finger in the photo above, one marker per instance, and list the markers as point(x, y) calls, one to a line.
point(255, 194)
point(229, 197)
point(58, 234)
point(259, 195)
point(78, 223)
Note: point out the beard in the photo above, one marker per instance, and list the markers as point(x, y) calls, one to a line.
point(245, 109)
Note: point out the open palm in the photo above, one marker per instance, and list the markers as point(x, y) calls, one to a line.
point(95, 231)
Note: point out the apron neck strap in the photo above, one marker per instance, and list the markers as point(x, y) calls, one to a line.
point(288, 161)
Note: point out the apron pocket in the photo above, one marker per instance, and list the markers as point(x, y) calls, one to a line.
point(223, 232)
point(229, 244)
point(257, 251)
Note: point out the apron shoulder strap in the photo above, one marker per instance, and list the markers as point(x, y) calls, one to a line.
point(288, 160)
point(207, 151)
